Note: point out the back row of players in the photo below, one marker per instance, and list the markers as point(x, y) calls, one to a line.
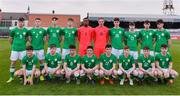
point(105, 53)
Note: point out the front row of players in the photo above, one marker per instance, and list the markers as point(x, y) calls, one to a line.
point(91, 69)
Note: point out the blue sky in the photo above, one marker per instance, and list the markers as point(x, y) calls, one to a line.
point(83, 6)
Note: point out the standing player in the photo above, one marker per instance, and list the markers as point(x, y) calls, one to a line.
point(52, 62)
point(72, 65)
point(162, 36)
point(90, 65)
point(101, 37)
point(146, 64)
point(116, 37)
point(107, 65)
point(68, 37)
point(54, 35)
point(146, 36)
point(37, 37)
point(85, 34)
point(17, 39)
point(29, 69)
point(165, 65)
point(131, 39)
point(126, 67)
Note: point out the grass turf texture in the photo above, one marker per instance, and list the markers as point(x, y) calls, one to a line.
point(62, 88)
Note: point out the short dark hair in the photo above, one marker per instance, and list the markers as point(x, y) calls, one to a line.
point(21, 19)
point(116, 19)
point(131, 24)
point(37, 18)
point(164, 46)
point(28, 48)
point(146, 48)
point(100, 18)
point(70, 19)
point(160, 21)
point(90, 47)
point(146, 22)
point(126, 47)
point(54, 18)
point(108, 46)
point(52, 46)
point(72, 47)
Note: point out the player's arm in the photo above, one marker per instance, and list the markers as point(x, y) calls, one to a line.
point(24, 73)
point(170, 66)
point(82, 66)
point(101, 67)
point(157, 65)
point(114, 65)
point(32, 74)
point(134, 66)
point(77, 68)
point(140, 67)
point(11, 35)
point(65, 66)
point(121, 68)
point(153, 66)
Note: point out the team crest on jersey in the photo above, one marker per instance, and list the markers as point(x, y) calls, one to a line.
point(55, 59)
point(128, 60)
point(120, 32)
point(57, 31)
point(150, 33)
point(73, 32)
point(86, 61)
point(134, 35)
point(74, 61)
point(167, 59)
point(162, 34)
point(33, 32)
point(110, 61)
point(149, 61)
point(92, 60)
point(48, 59)
point(24, 33)
point(40, 32)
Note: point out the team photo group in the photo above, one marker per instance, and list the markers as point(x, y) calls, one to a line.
point(91, 55)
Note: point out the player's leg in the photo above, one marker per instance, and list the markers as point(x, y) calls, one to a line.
point(121, 76)
point(101, 75)
point(77, 76)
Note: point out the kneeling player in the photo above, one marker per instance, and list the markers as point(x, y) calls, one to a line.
point(52, 63)
point(29, 67)
point(72, 65)
point(164, 64)
point(107, 65)
point(90, 65)
point(146, 64)
point(126, 67)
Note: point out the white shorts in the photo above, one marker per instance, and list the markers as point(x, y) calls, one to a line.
point(151, 52)
point(134, 54)
point(50, 70)
point(165, 70)
point(65, 52)
point(17, 55)
point(117, 52)
point(57, 50)
point(127, 71)
point(28, 72)
point(39, 54)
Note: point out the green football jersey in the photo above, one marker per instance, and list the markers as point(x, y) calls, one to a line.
point(54, 36)
point(52, 61)
point(29, 62)
point(162, 37)
point(163, 60)
point(146, 37)
point(126, 62)
point(132, 40)
point(117, 35)
point(69, 36)
point(90, 62)
point(72, 62)
point(146, 62)
point(37, 38)
point(19, 37)
point(108, 62)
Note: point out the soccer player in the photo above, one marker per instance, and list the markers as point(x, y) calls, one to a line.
point(90, 65)
point(146, 64)
point(52, 63)
point(17, 39)
point(101, 37)
point(146, 37)
point(69, 35)
point(131, 39)
point(164, 65)
point(162, 36)
point(29, 69)
point(37, 37)
point(126, 67)
point(54, 35)
point(116, 38)
point(107, 65)
point(85, 34)
point(72, 65)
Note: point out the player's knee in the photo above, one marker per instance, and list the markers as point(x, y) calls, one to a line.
point(135, 73)
point(119, 72)
point(96, 72)
point(82, 73)
point(101, 73)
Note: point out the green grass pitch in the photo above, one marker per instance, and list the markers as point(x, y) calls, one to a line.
point(66, 89)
